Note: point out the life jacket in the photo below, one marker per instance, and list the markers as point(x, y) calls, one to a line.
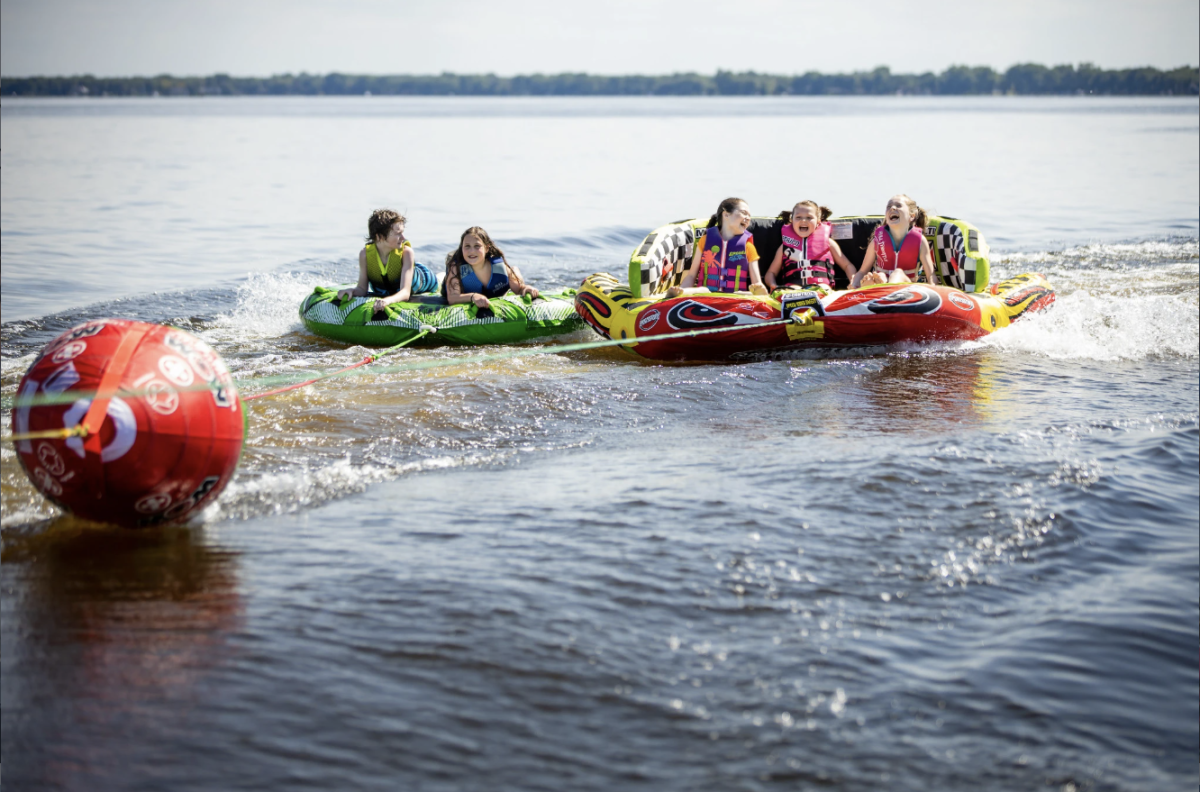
point(907, 258)
point(726, 267)
point(807, 261)
point(496, 286)
point(385, 278)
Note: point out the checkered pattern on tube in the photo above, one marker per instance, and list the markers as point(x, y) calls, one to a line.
point(954, 266)
point(664, 254)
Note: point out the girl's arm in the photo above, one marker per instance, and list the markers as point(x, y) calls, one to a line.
point(756, 284)
point(868, 262)
point(517, 284)
point(927, 261)
point(773, 270)
point(361, 289)
point(455, 295)
point(841, 259)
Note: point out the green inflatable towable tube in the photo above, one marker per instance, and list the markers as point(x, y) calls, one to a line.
point(510, 320)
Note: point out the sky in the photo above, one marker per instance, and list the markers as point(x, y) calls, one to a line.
point(250, 38)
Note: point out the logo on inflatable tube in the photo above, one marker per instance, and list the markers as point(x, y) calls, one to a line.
point(648, 319)
point(692, 315)
point(914, 299)
point(962, 301)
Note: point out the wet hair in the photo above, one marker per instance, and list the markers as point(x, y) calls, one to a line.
point(920, 218)
point(455, 259)
point(728, 205)
point(823, 213)
point(381, 222)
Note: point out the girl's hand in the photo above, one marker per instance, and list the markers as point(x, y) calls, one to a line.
point(758, 288)
point(531, 292)
point(480, 301)
point(856, 281)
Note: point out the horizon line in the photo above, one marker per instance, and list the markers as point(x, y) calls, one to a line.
point(603, 75)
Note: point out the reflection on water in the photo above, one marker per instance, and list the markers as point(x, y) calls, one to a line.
point(905, 392)
point(119, 629)
point(932, 391)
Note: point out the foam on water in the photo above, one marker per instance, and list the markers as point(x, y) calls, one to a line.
point(27, 515)
point(266, 306)
point(1130, 301)
point(15, 367)
point(304, 486)
point(1109, 257)
point(1086, 326)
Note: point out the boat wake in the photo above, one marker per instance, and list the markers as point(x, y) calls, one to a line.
point(1116, 302)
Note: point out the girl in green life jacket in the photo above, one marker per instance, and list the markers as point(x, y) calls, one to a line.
point(477, 271)
point(387, 268)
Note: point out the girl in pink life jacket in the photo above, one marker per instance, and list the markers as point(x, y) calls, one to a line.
point(725, 259)
point(806, 256)
point(897, 247)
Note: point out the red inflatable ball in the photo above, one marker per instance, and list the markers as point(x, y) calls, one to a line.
point(153, 436)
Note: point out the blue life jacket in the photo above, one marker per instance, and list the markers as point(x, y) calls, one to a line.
point(496, 287)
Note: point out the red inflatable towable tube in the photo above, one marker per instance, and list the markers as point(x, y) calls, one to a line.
point(155, 433)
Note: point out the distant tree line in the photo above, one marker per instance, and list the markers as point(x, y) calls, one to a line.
point(1022, 79)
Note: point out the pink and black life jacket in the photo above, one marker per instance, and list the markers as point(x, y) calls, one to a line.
point(907, 258)
point(725, 264)
point(807, 261)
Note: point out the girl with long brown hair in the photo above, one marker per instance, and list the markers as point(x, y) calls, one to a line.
point(477, 271)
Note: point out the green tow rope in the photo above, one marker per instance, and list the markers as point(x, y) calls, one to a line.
point(66, 397)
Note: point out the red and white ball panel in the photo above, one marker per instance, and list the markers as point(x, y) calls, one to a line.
point(165, 451)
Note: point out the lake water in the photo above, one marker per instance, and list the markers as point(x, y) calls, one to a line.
point(964, 566)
